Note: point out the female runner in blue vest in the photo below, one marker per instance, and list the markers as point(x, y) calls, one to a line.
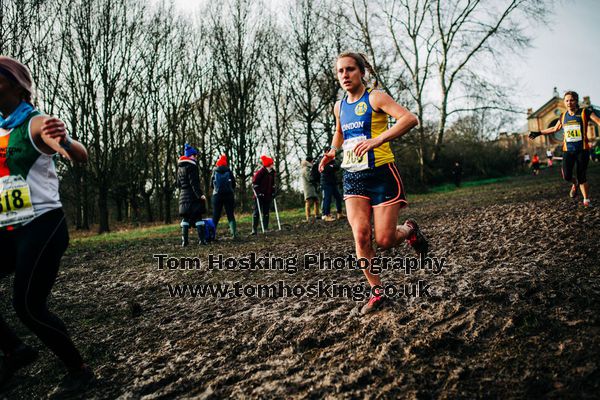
point(372, 183)
point(33, 231)
point(576, 146)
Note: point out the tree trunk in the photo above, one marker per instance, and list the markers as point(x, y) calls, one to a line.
point(85, 212)
point(103, 209)
point(168, 196)
point(441, 129)
point(148, 207)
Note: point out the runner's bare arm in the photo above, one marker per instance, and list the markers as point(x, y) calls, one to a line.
point(405, 121)
point(595, 118)
point(552, 130)
point(338, 138)
point(49, 134)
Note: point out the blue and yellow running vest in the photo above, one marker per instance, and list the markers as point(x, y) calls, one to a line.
point(360, 122)
point(575, 130)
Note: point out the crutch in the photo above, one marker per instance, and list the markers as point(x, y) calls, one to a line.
point(276, 212)
point(262, 225)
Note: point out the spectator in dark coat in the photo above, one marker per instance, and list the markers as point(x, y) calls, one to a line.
point(223, 184)
point(263, 183)
point(457, 173)
point(329, 186)
point(191, 199)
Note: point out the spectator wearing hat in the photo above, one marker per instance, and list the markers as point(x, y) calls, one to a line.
point(223, 184)
point(263, 182)
point(191, 199)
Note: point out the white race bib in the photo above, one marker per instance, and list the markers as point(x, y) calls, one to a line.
point(351, 161)
point(15, 201)
point(573, 133)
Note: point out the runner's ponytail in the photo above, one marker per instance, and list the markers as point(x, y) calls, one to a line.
point(370, 70)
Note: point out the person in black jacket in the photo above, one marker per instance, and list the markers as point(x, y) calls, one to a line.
point(263, 183)
point(223, 184)
point(191, 200)
point(329, 186)
point(457, 173)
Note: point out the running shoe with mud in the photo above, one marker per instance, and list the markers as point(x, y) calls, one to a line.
point(416, 239)
point(573, 192)
point(375, 303)
point(587, 203)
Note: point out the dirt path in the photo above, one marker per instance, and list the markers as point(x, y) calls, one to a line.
point(515, 313)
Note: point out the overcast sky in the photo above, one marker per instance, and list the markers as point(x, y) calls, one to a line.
point(565, 54)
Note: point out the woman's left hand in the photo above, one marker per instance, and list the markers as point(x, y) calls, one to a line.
point(363, 147)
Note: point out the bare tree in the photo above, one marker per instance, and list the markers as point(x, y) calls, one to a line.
point(369, 36)
point(102, 34)
point(202, 128)
point(277, 130)
point(467, 30)
point(237, 52)
point(148, 137)
point(412, 35)
point(176, 102)
point(311, 55)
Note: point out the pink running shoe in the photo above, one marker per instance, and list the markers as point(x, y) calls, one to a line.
point(375, 303)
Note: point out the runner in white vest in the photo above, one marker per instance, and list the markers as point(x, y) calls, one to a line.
point(33, 231)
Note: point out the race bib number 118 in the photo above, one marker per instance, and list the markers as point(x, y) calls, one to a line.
point(15, 201)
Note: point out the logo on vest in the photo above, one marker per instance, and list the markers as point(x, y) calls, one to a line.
point(360, 109)
point(353, 125)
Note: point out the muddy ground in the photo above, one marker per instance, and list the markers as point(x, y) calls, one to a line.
point(515, 313)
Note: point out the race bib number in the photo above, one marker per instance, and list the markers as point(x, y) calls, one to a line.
point(15, 201)
point(573, 133)
point(351, 161)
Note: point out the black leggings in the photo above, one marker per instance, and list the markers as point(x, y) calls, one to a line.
point(581, 158)
point(220, 200)
point(265, 207)
point(33, 253)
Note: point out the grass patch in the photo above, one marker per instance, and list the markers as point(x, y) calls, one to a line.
point(448, 187)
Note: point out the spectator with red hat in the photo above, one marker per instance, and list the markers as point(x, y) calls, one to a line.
point(223, 184)
point(263, 183)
